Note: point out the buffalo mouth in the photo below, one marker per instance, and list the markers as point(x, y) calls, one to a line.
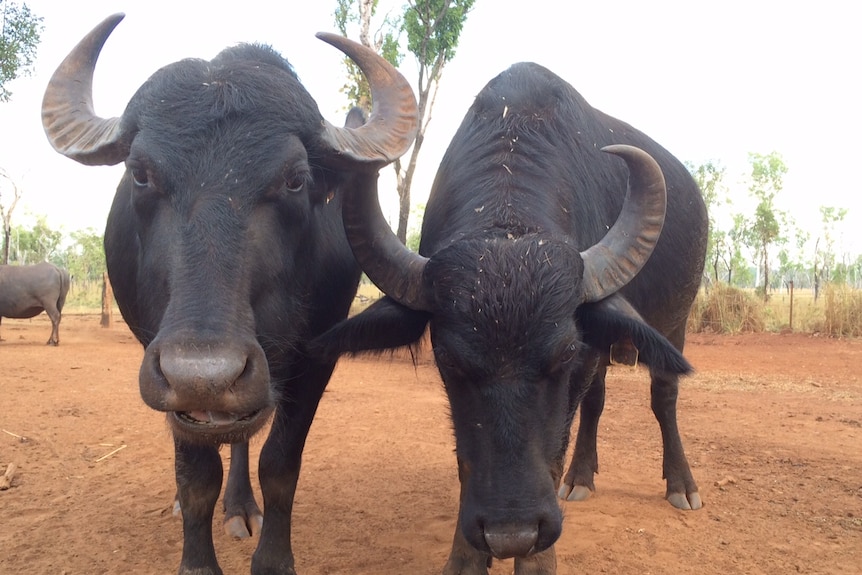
point(218, 426)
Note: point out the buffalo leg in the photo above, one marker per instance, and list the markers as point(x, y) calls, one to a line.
point(54, 315)
point(579, 483)
point(543, 563)
point(464, 559)
point(681, 489)
point(664, 389)
point(242, 516)
point(199, 477)
point(279, 467)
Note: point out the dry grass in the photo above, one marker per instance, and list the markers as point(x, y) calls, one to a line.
point(724, 309)
point(366, 295)
point(843, 311)
point(84, 297)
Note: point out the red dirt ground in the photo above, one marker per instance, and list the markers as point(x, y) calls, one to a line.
point(772, 426)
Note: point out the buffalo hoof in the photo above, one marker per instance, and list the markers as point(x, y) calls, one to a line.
point(575, 493)
point(243, 526)
point(242, 520)
point(688, 503)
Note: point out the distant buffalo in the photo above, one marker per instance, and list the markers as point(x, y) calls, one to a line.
point(26, 291)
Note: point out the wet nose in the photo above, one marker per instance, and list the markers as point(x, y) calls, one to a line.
point(202, 372)
point(225, 376)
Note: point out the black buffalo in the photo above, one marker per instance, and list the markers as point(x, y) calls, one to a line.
point(27, 291)
point(535, 262)
point(226, 250)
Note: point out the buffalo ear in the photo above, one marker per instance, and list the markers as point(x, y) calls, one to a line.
point(614, 323)
point(385, 325)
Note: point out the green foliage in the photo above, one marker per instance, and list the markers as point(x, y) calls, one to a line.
point(738, 273)
point(709, 178)
point(82, 252)
point(764, 229)
point(20, 33)
point(414, 234)
point(85, 258)
point(824, 257)
point(433, 30)
point(33, 245)
point(386, 43)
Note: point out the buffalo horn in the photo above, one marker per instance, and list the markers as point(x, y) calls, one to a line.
point(620, 255)
point(67, 107)
point(76, 131)
point(394, 119)
point(391, 265)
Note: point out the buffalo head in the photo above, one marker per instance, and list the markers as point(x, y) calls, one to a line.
point(227, 217)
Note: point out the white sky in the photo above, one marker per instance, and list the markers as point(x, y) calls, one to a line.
point(707, 80)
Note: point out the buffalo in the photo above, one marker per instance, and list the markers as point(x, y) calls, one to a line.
point(541, 252)
point(27, 291)
point(227, 253)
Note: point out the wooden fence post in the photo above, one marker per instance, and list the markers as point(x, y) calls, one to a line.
point(791, 305)
point(107, 301)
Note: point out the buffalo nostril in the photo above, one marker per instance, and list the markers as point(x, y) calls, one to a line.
point(512, 542)
point(204, 372)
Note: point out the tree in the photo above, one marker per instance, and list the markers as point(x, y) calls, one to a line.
point(85, 258)
point(763, 230)
point(385, 43)
point(37, 244)
point(737, 271)
point(709, 178)
point(433, 30)
point(824, 246)
point(6, 214)
point(792, 267)
point(20, 32)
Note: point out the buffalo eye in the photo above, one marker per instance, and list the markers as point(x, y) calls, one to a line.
point(570, 352)
point(294, 182)
point(443, 357)
point(140, 177)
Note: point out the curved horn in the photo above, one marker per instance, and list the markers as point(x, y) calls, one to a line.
point(68, 117)
point(620, 255)
point(391, 265)
point(394, 119)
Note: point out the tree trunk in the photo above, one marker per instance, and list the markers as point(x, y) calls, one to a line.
point(404, 183)
point(7, 235)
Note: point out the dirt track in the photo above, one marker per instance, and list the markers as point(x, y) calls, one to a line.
point(772, 425)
